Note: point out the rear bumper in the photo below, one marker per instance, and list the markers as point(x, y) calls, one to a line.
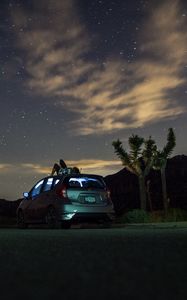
point(88, 217)
point(87, 213)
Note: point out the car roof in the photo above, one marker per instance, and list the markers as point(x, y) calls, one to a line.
point(74, 175)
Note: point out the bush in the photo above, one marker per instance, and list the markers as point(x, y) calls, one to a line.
point(134, 216)
point(173, 215)
point(141, 216)
point(176, 215)
point(156, 216)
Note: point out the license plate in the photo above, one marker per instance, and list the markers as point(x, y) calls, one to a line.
point(90, 199)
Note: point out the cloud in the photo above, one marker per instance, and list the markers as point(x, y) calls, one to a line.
point(5, 167)
point(96, 166)
point(103, 167)
point(115, 95)
point(54, 42)
point(34, 168)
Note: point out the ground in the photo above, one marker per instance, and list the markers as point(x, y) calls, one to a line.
point(113, 263)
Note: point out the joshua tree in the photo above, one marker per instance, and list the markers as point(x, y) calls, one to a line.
point(161, 161)
point(138, 161)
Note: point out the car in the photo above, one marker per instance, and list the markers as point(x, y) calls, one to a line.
point(66, 199)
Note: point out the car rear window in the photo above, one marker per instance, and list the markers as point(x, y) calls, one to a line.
point(85, 182)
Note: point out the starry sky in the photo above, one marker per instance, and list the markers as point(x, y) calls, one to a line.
point(76, 75)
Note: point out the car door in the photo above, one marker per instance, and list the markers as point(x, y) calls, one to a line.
point(34, 198)
point(44, 199)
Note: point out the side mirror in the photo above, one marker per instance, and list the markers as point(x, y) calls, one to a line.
point(25, 195)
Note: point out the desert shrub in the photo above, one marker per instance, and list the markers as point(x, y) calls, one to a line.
point(156, 216)
point(176, 215)
point(134, 216)
point(173, 215)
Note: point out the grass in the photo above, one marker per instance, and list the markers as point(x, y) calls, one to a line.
point(141, 216)
point(93, 263)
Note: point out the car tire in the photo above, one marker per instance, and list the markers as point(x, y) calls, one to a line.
point(65, 224)
point(21, 220)
point(51, 218)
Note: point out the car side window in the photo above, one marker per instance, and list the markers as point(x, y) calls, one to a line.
point(37, 188)
point(56, 181)
point(48, 185)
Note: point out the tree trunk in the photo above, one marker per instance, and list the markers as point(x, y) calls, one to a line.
point(164, 190)
point(149, 195)
point(142, 192)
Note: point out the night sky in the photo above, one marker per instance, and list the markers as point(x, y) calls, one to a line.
point(76, 75)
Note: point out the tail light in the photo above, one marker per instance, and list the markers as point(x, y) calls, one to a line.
point(109, 196)
point(108, 193)
point(62, 191)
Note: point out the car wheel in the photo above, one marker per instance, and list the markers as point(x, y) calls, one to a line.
point(51, 218)
point(65, 224)
point(21, 220)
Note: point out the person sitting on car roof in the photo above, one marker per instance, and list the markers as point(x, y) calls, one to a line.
point(62, 169)
point(57, 167)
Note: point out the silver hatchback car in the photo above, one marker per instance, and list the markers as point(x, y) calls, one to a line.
point(65, 199)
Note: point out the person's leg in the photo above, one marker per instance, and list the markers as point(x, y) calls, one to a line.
point(56, 169)
point(63, 164)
